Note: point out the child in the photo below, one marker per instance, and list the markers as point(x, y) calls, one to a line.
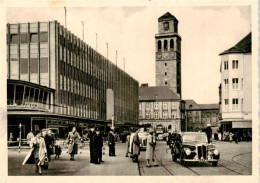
point(57, 149)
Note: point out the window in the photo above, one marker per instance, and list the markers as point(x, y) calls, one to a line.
point(225, 65)
point(147, 105)
point(34, 38)
point(147, 115)
point(43, 37)
point(171, 45)
point(235, 104)
point(165, 64)
point(140, 106)
point(174, 106)
point(24, 38)
point(165, 45)
point(166, 83)
point(174, 114)
point(156, 115)
point(242, 103)
point(159, 46)
point(165, 73)
point(14, 39)
point(226, 104)
point(235, 83)
point(44, 65)
point(165, 115)
point(24, 65)
point(225, 84)
point(165, 105)
point(156, 105)
point(34, 65)
point(235, 64)
point(242, 80)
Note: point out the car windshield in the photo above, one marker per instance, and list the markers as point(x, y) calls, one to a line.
point(194, 138)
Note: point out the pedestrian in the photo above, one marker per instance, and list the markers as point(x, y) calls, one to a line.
point(111, 143)
point(135, 147)
point(127, 144)
point(49, 141)
point(57, 149)
point(219, 136)
point(230, 136)
point(235, 137)
point(39, 151)
point(150, 148)
point(73, 139)
point(29, 137)
point(209, 132)
point(91, 144)
point(98, 144)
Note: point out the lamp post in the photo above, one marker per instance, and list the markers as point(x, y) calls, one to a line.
point(83, 22)
point(107, 50)
point(20, 136)
point(65, 17)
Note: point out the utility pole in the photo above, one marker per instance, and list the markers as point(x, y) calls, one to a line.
point(107, 50)
point(116, 57)
point(96, 41)
point(83, 22)
point(65, 17)
point(20, 136)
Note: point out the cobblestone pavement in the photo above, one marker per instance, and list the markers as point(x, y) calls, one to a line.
point(235, 159)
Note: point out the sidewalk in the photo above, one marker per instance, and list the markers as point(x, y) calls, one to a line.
point(118, 165)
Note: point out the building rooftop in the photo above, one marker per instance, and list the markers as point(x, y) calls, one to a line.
point(166, 16)
point(243, 46)
point(191, 105)
point(157, 93)
point(209, 106)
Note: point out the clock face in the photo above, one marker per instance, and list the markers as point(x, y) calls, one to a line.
point(166, 25)
point(159, 56)
point(172, 55)
point(165, 55)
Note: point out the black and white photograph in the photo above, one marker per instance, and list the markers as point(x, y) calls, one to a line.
point(149, 89)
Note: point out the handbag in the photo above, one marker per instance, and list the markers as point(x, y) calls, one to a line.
point(45, 163)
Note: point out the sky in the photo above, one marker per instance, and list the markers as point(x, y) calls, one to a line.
point(206, 31)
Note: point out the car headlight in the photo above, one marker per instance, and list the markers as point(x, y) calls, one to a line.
point(187, 151)
point(216, 152)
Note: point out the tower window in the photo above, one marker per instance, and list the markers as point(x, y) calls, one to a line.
point(165, 82)
point(165, 73)
point(165, 45)
point(159, 46)
point(171, 44)
point(165, 64)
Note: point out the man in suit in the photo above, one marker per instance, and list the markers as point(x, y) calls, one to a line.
point(208, 132)
point(98, 144)
point(111, 143)
point(91, 144)
point(48, 142)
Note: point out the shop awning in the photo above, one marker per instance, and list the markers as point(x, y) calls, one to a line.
point(242, 124)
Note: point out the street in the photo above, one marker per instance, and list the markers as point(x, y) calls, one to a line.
point(235, 159)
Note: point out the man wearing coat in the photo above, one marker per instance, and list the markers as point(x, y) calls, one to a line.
point(111, 143)
point(91, 144)
point(49, 142)
point(135, 148)
point(98, 144)
point(208, 132)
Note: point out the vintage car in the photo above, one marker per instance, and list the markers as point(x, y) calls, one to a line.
point(194, 147)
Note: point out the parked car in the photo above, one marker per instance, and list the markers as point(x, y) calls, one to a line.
point(194, 147)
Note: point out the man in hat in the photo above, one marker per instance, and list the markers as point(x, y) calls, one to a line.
point(208, 132)
point(91, 144)
point(98, 144)
point(111, 143)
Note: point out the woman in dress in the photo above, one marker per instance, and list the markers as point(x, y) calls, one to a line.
point(73, 140)
point(150, 149)
point(39, 150)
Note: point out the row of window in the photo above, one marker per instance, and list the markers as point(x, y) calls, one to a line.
point(165, 115)
point(235, 103)
point(234, 64)
point(234, 84)
point(33, 38)
point(165, 45)
point(156, 105)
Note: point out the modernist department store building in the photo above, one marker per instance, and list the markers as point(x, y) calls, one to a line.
point(55, 80)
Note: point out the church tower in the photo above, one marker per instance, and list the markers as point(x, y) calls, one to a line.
point(168, 53)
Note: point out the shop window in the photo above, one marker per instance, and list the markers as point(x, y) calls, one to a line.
point(27, 94)
point(10, 94)
point(24, 38)
point(40, 96)
point(31, 95)
point(19, 94)
point(24, 65)
point(36, 95)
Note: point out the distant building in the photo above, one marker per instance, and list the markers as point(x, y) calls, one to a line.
point(199, 115)
point(160, 106)
point(236, 87)
point(55, 80)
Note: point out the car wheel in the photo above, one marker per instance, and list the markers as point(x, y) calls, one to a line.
point(215, 163)
point(174, 158)
point(182, 159)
